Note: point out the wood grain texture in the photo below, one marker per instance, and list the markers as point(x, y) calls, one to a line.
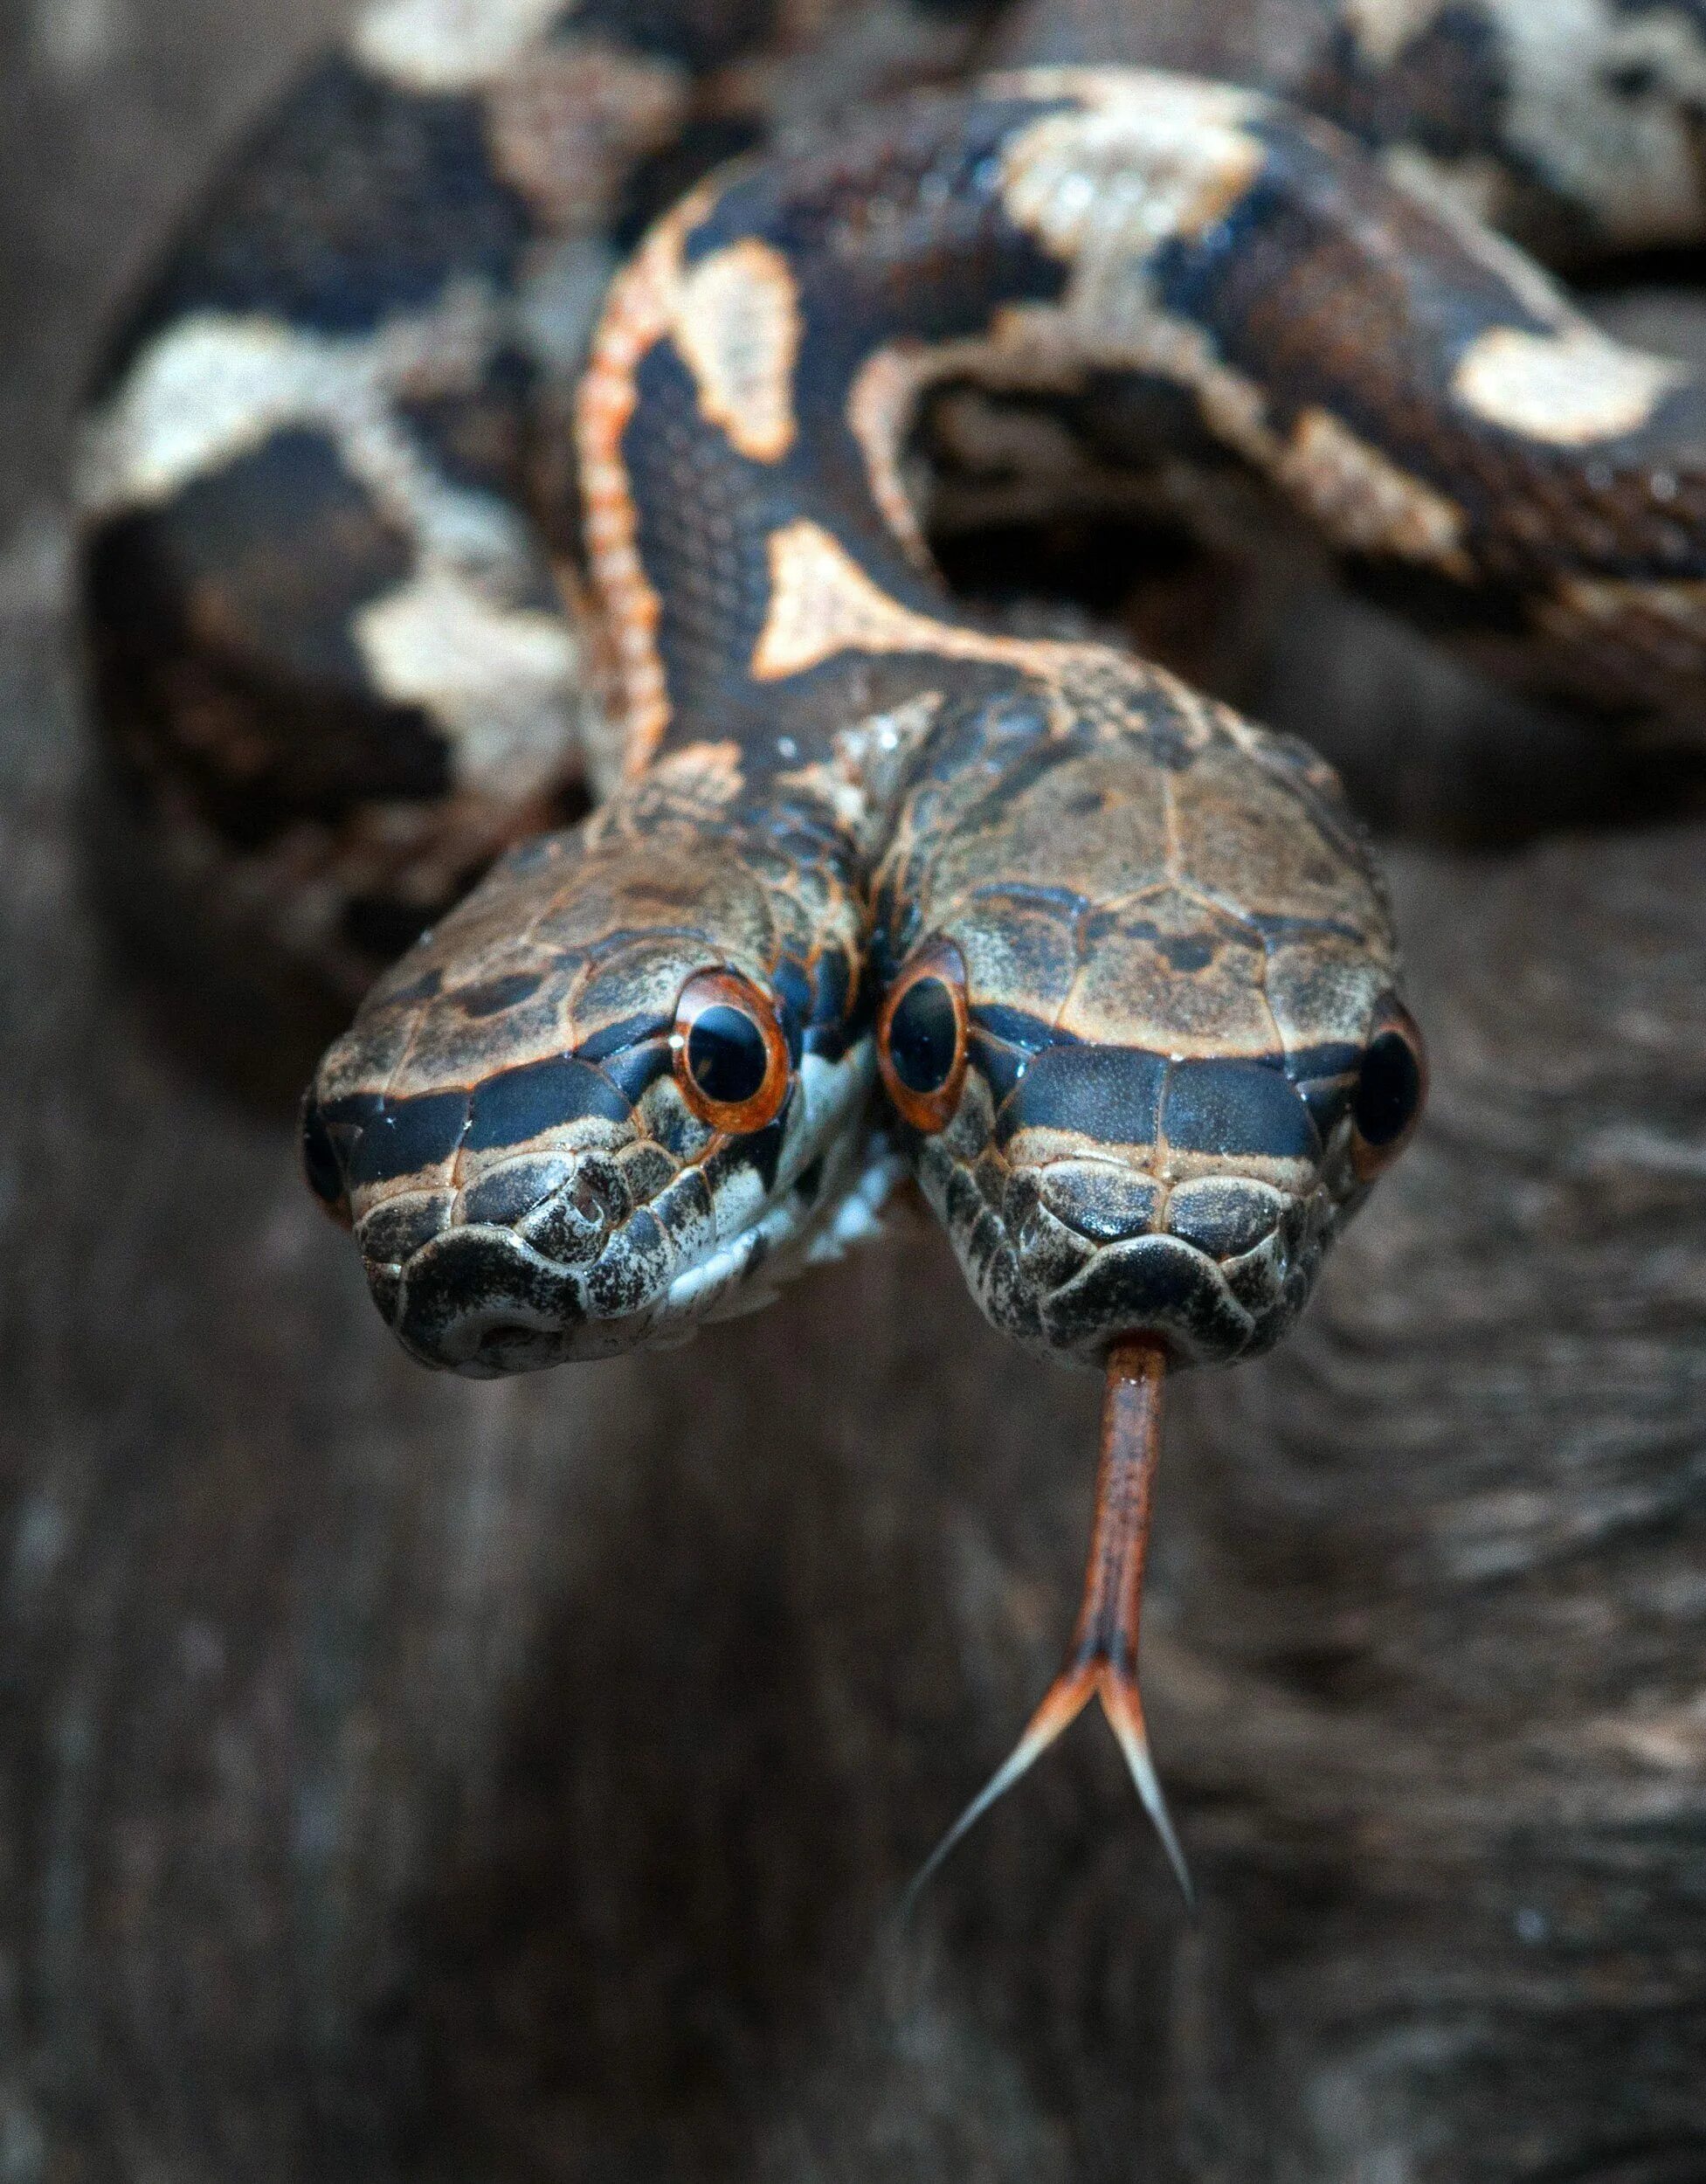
point(400, 1778)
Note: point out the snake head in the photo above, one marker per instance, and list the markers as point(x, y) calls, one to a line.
point(1141, 1024)
point(603, 1100)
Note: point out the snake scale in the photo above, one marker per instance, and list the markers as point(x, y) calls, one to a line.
point(402, 518)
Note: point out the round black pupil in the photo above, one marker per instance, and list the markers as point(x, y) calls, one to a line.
point(1389, 1091)
point(727, 1056)
point(924, 1036)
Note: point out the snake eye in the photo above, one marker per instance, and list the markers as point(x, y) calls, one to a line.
point(731, 1061)
point(1390, 1092)
point(921, 1037)
point(321, 1164)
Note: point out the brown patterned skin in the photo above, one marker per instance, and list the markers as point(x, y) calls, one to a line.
point(1167, 950)
point(1140, 940)
point(323, 502)
point(1571, 125)
point(1170, 967)
point(325, 530)
point(506, 1125)
point(1175, 957)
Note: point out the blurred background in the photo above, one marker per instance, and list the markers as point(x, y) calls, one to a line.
point(403, 1778)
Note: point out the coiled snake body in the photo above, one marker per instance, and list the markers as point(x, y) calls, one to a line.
point(1119, 957)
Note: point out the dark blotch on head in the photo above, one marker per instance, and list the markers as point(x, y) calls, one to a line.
point(513, 1192)
point(495, 994)
point(397, 1137)
point(832, 1024)
point(1326, 1078)
point(1152, 1285)
point(793, 992)
point(540, 1095)
point(617, 1037)
point(1002, 1065)
point(1111, 1095)
point(1237, 1107)
point(638, 1068)
point(761, 1152)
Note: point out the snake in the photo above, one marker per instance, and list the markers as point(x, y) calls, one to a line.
point(533, 408)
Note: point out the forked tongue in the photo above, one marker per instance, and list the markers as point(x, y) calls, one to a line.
point(1103, 1662)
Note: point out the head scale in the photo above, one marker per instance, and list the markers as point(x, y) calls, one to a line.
point(619, 1086)
point(1141, 1023)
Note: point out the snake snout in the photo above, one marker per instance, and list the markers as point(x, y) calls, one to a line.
point(1095, 1250)
point(481, 1302)
point(511, 1273)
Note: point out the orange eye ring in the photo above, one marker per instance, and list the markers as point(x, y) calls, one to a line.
point(921, 1037)
point(728, 1054)
point(1392, 1091)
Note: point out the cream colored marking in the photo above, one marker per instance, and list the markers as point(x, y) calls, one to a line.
point(499, 673)
point(498, 678)
point(823, 603)
point(451, 45)
point(216, 387)
point(1633, 163)
point(1566, 390)
point(1030, 347)
point(1147, 158)
point(1365, 502)
point(860, 781)
point(707, 773)
point(737, 325)
point(1384, 28)
point(1597, 600)
point(881, 403)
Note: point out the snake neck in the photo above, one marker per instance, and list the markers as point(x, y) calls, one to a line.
point(1110, 237)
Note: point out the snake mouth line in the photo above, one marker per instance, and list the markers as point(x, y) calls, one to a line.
point(481, 1300)
point(1063, 1293)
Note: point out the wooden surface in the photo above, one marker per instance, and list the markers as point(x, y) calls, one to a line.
point(400, 1778)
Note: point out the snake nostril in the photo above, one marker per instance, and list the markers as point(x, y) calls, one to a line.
point(589, 1201)
point(572, 1224)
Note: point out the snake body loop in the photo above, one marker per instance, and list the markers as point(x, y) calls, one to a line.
point(1119, 959)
